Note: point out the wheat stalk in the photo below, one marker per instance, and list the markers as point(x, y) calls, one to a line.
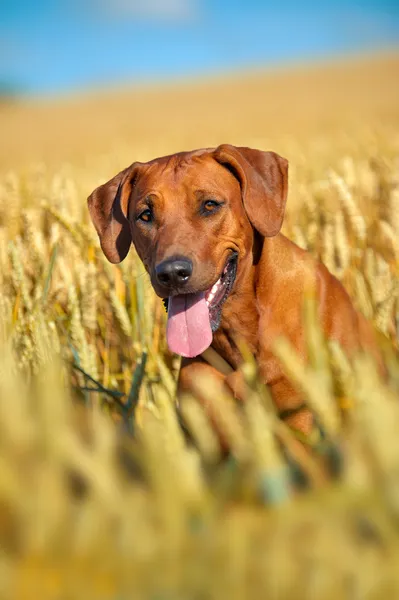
point(352, 212)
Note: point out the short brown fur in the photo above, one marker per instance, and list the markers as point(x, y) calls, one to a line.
point(273, 273)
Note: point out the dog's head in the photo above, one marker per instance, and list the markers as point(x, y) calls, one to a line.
point(191, 217)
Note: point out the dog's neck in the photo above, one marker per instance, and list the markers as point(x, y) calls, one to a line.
point(240, 316)
point(258, 278)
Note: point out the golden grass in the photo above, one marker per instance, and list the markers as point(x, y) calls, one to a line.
point(89, 511)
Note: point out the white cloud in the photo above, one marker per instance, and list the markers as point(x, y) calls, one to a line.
point(169, 10)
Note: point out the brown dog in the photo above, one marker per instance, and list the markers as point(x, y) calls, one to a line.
point(206, 225)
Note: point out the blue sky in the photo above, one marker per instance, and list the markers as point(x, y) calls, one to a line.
point(51, 47)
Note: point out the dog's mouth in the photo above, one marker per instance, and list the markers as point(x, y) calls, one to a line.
point(192, 318)
point(217, 295)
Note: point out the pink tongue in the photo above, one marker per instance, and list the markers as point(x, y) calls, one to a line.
point(188, 330)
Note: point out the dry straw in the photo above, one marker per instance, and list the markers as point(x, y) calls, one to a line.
point(108, 491)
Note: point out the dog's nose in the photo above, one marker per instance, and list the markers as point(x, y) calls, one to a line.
point(174, 272)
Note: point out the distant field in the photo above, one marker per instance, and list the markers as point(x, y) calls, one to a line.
point(90, 511)
point(260, 109)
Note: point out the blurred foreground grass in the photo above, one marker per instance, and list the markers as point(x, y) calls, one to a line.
point(89, 511)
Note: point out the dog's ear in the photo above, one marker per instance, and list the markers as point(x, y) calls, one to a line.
point(263, 177)
point(108, 207)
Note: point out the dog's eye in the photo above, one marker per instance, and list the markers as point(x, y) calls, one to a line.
point(210, 206)
point(145, 216)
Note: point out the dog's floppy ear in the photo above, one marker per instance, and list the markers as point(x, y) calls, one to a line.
point(263, 177)
point(108, 206)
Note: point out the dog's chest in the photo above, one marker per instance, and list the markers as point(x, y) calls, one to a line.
point(232, 330)
point(226, 347)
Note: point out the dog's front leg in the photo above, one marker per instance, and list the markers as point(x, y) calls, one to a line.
point(290, 407)
point(191, 372)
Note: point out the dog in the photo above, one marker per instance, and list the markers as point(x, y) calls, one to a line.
point(206, 225)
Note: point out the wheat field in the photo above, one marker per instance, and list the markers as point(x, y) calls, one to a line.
point(103, 493)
